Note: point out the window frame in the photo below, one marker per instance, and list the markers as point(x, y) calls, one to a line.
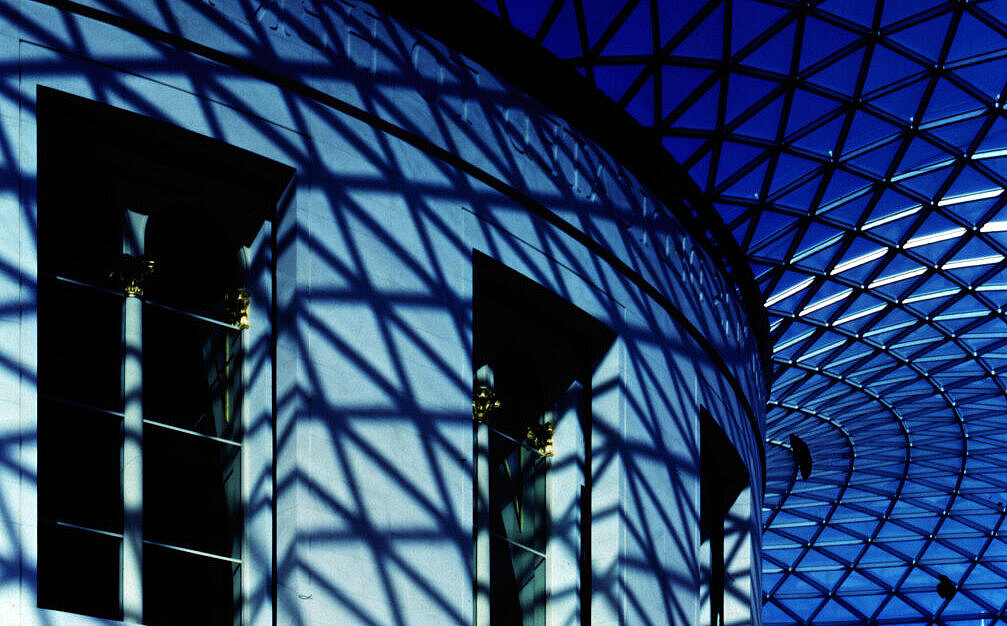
point(566, 400)
point(272, 182)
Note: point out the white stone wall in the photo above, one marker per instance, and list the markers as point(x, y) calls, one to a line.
point(408, 158)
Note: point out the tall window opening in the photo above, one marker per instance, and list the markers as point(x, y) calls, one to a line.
point(723, 477)
point(142, 232)
point(534, 353)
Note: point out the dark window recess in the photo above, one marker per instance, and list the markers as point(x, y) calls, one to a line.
point(537, 346)
point(203, 201)
point(74, 366)
point(723, 476)
point(78, 571)
point(78, 473)
point(182, 588)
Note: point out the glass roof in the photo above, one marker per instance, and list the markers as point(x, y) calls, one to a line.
point(858, 152)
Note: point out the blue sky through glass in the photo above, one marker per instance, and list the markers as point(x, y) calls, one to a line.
point(858, 152)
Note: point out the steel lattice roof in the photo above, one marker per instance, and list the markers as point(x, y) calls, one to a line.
point(858, 152)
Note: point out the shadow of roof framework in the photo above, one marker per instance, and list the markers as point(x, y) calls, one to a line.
point(139, 78)
point(858, 152)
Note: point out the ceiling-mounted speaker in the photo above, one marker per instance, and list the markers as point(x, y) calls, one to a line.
point(802, 455)
point(945, 588)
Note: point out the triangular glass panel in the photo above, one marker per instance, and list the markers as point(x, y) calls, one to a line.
point(923, 337)
point(744, 92)
point(800, 585)
point(888, 67)
point(806, 108)
point(973, 38)
point(489, 5)
point(961, 604)
point(774, 55)
point(927, 185)
point(895, 11)
point(934, 232)
point(672, 18)
point(864, 309)
point(731, 213)
point(868, 604)
point(749, 19)
point(641, 107)
point(563, 39)
point(894, 214)
point(857, 582)
point(677, 83)
point(750, 184)
point(997, 11)
point(823, 139)
point(850, 213)
point(633, 37)
point(706, 39)
point(861, 13)
point(797, 334)
point(976, 248)
point(734, 156)
point(821, 39)
point(948, 100)
point(987, 76)
point(842, 75)
point(817, 236)
point(789, 168)
point(825, 340)
point(995, 227)
point(961, 133)
point(682, 148)
point(842, 186)
point(920, 154)
point(800, 197)
point(819, 261)
point(862, 262)
point(925, 38)
point(875, 556)
point(772, 226)
point(773, 611)
point(966, 304)
point(527, 16)
point(976, 271)
point(867, 129)
point(703, 113)
point(769, 579)
point(877, 160)
point(834, 611)
point(614, 80)
point(903, 102)
point(969, 185)
point(827, 578)
point(790, 284)
point(598, 14)
point(764, 124)
point(700, 172)
point(997, 165)
point(995, 139)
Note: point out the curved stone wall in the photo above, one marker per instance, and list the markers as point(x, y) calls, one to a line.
point(409, 159)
